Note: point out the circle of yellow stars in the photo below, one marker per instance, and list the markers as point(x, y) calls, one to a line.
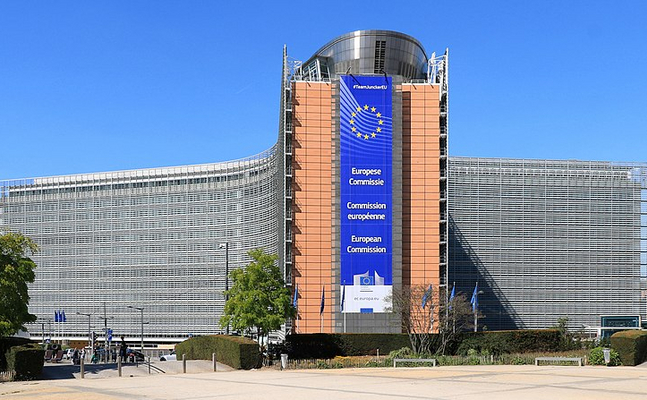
point(366, 136)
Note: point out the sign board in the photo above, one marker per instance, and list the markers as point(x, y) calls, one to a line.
point(366, 142)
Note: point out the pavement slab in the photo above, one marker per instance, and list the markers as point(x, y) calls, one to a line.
point(460, 382)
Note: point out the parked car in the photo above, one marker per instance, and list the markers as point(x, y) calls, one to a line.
point(169, 357)
point(134, 355)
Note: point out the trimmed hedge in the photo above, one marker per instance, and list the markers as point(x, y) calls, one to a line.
point(321, 345)
point(26, 361)
point(7, 343)
point(631, 345)
point(235, 351)
point(508, 342)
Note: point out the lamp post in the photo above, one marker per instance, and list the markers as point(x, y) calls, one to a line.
point(226, 247)
point(105, 325)
point(89, 333)
point(105, 329)
point(141, 310)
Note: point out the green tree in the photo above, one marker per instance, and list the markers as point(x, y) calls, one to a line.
point(258, 298)
point(16, 271)
point(569, 341)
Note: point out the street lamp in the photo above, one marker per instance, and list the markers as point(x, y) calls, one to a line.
point(105, 319)
point(105, 329)
point(141, 310)
point(89, 317)
point(226, 247)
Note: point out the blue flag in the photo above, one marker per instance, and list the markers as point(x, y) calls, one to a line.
point(296, 297)
point(56, 316)
point(62, 317)
point(323, 300)
point(343, 297)
point(425, 297)
point(451, 296)
point(475, 298)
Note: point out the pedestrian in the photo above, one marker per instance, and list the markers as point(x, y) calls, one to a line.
point(123, 350)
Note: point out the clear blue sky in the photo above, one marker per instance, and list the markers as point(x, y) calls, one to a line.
point(90, 86)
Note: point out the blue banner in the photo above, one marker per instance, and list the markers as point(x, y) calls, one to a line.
point(366, 141)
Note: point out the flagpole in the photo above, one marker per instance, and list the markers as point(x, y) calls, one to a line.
point(295, 304)
point(321, 308)
point(58, 327)
point(453, 316)
point(476, 321)
point(343, 305)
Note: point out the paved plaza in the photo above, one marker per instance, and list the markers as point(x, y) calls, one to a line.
point(464, 383)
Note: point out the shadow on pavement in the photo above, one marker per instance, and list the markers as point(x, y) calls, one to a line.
point(51, 372)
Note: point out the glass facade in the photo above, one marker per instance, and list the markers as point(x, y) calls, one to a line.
point(145, 238)
point(548, 239)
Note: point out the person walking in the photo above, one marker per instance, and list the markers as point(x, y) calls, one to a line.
point(123, 346)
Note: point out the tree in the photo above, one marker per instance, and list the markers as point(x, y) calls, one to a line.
point(16, 271)
point(417, 321)
point(428, 319)
point(258, 297)
point(456, 317)
point(568, 339)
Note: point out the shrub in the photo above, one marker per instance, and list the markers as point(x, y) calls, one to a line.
point(5, 344)
point(237, 352)
point(321, 345)
point(631, 345)
point(26, 361)
point(596, 357)
point(404, 352)
point(361, 344)
point(506, 342)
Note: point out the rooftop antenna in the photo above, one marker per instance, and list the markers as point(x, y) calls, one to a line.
point(386, 78)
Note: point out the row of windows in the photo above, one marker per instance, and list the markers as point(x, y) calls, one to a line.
point(185, 199)
point(20, 191)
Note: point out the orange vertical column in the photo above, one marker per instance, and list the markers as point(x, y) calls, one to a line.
point(421, 186)
point(312, 202)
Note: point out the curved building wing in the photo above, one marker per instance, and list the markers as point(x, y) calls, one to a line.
point(147, 238)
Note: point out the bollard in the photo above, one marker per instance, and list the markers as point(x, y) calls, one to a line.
point(149, 365)
point(119, 365)
point(284, 361)
point(184, 363)
point(213, 359)
point(82, 369)
point(607, 356)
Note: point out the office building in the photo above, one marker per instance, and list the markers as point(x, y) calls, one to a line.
point(547, 239)
point(156, 239)
point(358, 198)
